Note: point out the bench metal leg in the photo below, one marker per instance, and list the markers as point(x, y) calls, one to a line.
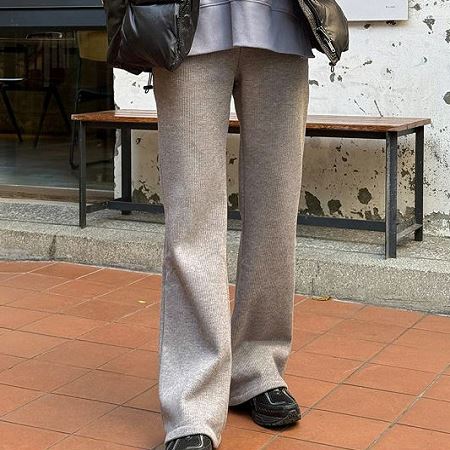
point(418, 191)
point(126, 166)
point(391, 195)
point(82, 173)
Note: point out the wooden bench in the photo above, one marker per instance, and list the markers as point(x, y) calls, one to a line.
point(386, 128)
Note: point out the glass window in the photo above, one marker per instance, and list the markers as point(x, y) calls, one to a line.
point(45, 76)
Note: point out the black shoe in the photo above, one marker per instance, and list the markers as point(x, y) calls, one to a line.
point(274, 408)
point(193, 441)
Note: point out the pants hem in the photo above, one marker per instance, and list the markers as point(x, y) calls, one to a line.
point(255, 390)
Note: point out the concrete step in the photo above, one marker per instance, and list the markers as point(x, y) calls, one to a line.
point(344, 264)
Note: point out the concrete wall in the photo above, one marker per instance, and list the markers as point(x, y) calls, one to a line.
point(391, 69)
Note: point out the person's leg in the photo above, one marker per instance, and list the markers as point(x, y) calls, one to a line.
point(195, 346)
point(271, 96)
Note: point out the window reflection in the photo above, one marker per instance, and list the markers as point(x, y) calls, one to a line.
point(46, 76)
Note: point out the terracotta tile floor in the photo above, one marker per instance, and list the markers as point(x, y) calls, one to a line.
point(79, 368)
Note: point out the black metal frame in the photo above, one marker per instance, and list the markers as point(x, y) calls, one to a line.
point(51, 14)
point(393, 230)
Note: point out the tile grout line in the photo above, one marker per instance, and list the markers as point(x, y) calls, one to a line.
point(77, 338)
point(94, 439)
point(83, 301)
point(87, 369)
point(323, 333)
point(358, 369)
point(386, 344)
point(267, 445)
point(73, 433)
point(64, 432)
point(61, 394)
point(363, 363)
point(310, 408)
point(411, 405)
point(68, 280)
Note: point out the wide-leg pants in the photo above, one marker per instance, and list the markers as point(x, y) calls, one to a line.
point(209, 360)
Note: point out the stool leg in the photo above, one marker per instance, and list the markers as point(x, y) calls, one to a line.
point(62, 110)
point(391, 195)
point(82, 172)
point(11, 114)
point(418, 191)
point(48, 96)
point(126, 166)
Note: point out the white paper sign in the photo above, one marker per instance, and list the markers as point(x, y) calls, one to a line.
point(375, 9)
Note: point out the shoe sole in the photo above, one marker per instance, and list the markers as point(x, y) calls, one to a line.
point(291, 416)
point(208, 447)
point(202, 448)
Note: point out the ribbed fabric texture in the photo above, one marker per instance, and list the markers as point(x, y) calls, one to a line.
point(207, 359)
point(276, 25)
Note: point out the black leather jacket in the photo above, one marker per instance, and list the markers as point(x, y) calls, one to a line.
point(146, 33)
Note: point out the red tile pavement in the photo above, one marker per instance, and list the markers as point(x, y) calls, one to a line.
point(79, 368)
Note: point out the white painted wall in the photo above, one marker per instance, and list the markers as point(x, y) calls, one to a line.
point(391, 69)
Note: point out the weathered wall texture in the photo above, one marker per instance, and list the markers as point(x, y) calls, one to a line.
point(391, 69)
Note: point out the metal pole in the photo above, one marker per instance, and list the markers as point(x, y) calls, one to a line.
point(391, 195)
point(125, 137)
point(82, 173)
point(418, 184)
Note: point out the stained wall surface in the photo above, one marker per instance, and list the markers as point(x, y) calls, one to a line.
point(391, 69)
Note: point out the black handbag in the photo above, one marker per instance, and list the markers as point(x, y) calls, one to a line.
point(150, 33)
point(143, 34)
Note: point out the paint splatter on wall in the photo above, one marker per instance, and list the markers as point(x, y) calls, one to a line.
point(392, 69)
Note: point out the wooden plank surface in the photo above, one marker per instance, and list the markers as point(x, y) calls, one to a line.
point(330, 122)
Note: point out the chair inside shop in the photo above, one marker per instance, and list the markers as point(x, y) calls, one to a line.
point(45, 63)
point(92, 47)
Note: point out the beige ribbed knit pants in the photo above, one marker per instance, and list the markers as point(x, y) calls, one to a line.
point(208, 361)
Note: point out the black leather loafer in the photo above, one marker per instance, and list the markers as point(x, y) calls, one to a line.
point(274, 408)
point(193, 441)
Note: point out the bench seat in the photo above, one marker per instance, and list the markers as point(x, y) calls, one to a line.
point(365, 127)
